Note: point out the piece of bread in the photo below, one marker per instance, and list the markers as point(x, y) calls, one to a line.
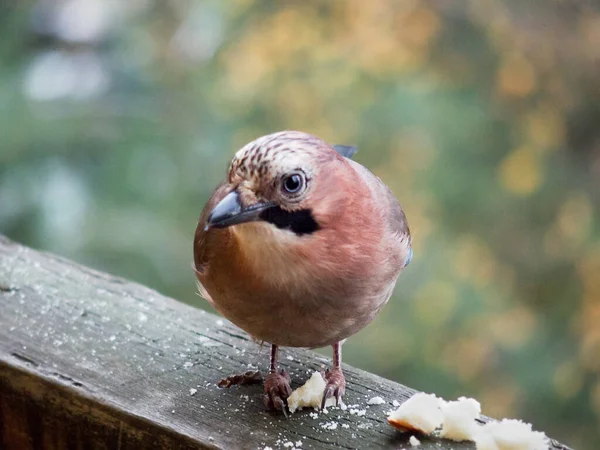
point(310, 394)
point(422, 412)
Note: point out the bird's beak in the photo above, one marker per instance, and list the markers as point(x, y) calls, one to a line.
point(230, 211)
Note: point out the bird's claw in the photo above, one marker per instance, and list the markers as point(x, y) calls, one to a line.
point(277, 390)
point(250, 377)
point(336, 386)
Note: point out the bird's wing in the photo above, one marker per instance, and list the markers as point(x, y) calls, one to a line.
point(399, 226)
point(397, 218)
point(390, 209)
point(200, 241)
point(346, 151)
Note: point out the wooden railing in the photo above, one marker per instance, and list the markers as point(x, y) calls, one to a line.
point(90, 361)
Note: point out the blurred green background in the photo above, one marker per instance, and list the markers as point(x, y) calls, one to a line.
point(117, 119)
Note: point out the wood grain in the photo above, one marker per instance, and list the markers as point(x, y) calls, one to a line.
point(91, 361)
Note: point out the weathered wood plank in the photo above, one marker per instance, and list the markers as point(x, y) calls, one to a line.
point(90, 361)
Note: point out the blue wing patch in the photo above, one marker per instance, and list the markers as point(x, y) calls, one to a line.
point(346, 151)
point(409, 257)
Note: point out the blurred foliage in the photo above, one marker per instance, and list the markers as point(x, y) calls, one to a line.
point(118, 119)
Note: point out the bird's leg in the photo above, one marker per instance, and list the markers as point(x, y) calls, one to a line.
point(336, 383)
point(277, 385)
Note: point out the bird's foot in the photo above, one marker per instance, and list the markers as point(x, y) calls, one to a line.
point(277, 390)
point(336, 386)
point(250, 377)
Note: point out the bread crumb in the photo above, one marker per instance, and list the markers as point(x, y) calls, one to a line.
point(358, 412)
point(414, 442)
point(193, 391)
point(310, 394)
point(329, 425)
point(459, 419)
point(376, 401)
point(422, 412)
point(510, 434)
point(485, 441)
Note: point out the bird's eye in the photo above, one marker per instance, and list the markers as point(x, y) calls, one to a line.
point(293, 183)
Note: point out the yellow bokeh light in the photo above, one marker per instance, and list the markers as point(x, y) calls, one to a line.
point(474, 261)
point(468, 357)
point(545, 127)
point(575, 217)
point(516, 76)
point(513, 328)
point(521, 172)
point(590, 349)
point(588, 269)
point(435, 303)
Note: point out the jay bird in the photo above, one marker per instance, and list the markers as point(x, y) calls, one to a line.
point(300, 246)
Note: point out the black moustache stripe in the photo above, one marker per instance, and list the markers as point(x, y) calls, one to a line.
point(300, 222)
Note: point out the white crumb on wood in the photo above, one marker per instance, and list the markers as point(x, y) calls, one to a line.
point(376, 401)
point(219, 322)
point(329, 425)
point(459, 419)
point(358, 412)
point(395, 403)
point(193, 391)
point(422, 412)
point(510, 434)
point(414, 442)
point(310, 394)
point(289, 357)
